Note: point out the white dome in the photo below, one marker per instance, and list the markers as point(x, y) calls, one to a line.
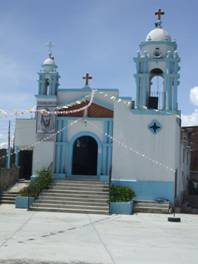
point(158, 34)
point(49, 61)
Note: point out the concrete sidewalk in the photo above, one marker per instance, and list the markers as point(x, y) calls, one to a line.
point(38, 237)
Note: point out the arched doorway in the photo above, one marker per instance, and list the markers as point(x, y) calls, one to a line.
point(85, 156)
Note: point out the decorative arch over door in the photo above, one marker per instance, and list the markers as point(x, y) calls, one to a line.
point(85, 156)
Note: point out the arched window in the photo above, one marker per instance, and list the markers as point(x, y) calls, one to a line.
point(156, 98)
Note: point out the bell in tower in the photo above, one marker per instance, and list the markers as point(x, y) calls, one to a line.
point(157, 70)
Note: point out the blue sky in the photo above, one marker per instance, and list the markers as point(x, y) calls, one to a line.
point(96, 36)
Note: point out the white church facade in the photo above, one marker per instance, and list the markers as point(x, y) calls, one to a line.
point(96, 134)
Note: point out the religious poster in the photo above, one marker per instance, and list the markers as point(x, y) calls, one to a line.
point(45, 120)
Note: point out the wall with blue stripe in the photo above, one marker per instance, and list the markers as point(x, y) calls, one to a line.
point(149, 190)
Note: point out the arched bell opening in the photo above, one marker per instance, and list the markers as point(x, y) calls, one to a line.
point(156, 94)
point(46, 87)
point(85, 156)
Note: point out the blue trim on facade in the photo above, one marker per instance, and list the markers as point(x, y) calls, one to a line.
point(149, 190)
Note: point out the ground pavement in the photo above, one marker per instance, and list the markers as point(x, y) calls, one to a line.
point(41, 237)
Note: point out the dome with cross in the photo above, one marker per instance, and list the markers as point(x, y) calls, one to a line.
point(49, 61)
point(158, 34)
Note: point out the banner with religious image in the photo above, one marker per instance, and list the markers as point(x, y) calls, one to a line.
point(45, 120)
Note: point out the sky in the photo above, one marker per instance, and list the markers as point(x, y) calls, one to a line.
point(96, 36)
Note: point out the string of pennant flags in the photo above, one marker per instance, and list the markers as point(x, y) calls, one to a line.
point(4, 113)
point(63, 109)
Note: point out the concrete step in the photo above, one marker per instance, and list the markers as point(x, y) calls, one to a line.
point(151, 210)
point(71, 201)
point(151, 205)
point(69, 210)
point(92, 191)
point(85, 188)
point(73, 197)
point(8, 197)
point(75, 194)
point(63, 205)
point(4, 201)
point(91, 183)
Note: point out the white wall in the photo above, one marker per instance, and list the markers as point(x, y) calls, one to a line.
point(132, 130)
point(25, 132)
point(43, 155)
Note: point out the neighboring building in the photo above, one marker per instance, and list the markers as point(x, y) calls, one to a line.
point(136, 144)
point(3, 154)
point(190, 160)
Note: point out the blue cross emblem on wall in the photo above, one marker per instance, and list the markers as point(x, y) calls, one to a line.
point(155, 126)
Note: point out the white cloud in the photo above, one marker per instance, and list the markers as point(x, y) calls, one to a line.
point(194, 95)
point(3, 145)
point(190, 120)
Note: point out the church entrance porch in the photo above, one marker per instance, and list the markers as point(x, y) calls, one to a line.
point(85, 156)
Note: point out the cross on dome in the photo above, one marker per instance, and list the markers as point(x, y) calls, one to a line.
point(159, 13)
point(50, 45)
point(87, 77)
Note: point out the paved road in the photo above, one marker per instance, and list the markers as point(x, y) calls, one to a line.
point(48, 238)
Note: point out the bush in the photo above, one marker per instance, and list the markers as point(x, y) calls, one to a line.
point(35, 187)
point(121, 194)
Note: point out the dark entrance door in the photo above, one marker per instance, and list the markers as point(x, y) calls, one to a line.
point(25, 164)
point(85, 154)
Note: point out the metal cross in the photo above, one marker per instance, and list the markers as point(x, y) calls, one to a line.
point(159, 13)
point(50, 45)
point(87, 77)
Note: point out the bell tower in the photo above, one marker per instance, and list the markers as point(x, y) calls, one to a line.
point(48, 77)
point(157, 70)
point(47, 97)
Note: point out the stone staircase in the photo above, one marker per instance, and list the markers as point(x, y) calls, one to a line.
point(78, 196)
point(8, 197)
point(151, 207)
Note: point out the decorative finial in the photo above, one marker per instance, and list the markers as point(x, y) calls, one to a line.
point(50, 45)
point(159, 13)
point(87, 77)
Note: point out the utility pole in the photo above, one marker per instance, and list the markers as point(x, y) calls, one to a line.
point(9, 148)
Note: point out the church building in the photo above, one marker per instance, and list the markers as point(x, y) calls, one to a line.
point(94, 134)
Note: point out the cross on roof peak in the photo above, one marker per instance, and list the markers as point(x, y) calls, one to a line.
point(87, 77)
